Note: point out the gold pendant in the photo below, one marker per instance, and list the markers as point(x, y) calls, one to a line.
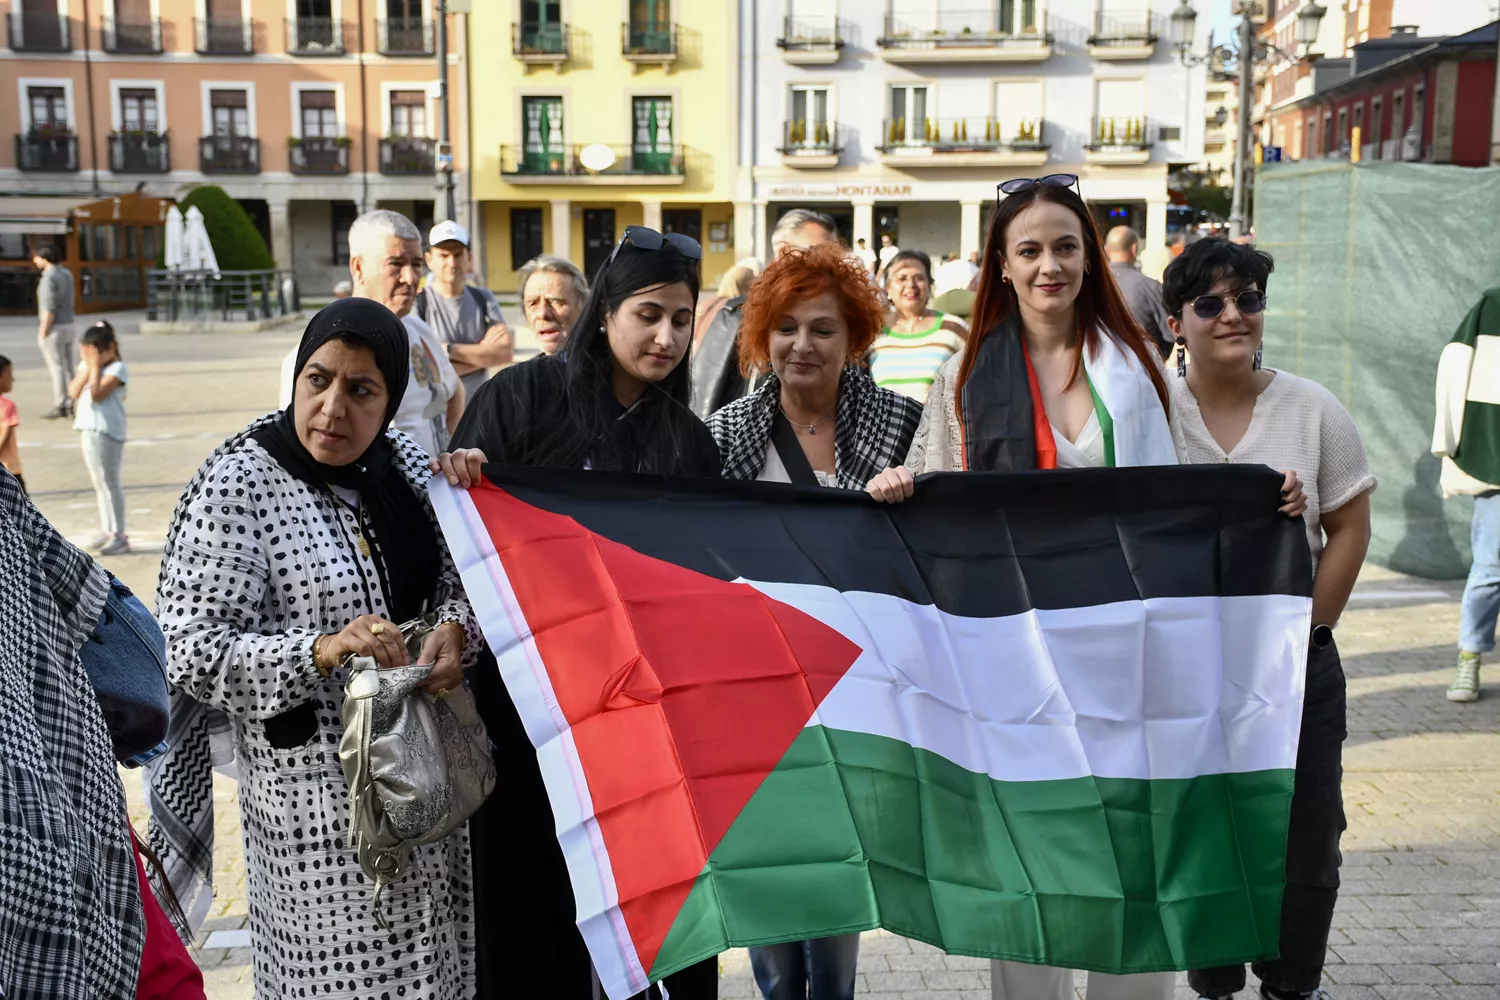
point(364, 546)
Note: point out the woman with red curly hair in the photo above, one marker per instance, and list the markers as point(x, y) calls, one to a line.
point(817, 418)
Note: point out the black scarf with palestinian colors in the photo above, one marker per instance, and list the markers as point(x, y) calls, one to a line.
point(1006, 428)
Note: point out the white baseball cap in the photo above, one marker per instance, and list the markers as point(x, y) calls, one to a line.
point(448, 232)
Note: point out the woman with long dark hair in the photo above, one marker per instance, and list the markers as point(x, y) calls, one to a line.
point(1056, 375)
point(615, 398)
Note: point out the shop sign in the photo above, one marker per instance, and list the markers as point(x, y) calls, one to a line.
point(838, 192)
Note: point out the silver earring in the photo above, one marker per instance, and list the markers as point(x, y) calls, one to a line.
point(1256, 366)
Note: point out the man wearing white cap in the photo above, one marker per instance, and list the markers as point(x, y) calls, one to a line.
point(466, 319)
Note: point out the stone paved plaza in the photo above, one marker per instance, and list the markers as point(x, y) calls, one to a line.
point(1419, 916)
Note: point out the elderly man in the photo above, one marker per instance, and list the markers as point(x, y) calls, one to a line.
point(385, 262)
point(715, 363)
point(553, 293)
point(466, 319)
point(1142, 294)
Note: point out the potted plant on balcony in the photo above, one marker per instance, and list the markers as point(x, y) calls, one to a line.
point(342, 142)
point(293, 141)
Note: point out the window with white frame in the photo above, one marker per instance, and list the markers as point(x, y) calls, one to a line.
point(49, 108)
point(409, 114)
point(907, 124)
point(1120, 112)
point(809, 123)
point(229, 112)
point(139, 111)
point(319, 113)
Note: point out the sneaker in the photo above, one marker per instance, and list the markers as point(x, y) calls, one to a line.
point(99, 541)
point(1465, 686)
point(57, 413)
point(1271, 993)
point(117, 545)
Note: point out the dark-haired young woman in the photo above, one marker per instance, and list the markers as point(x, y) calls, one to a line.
point(615, 399)
point(1230, 408)
point(1057, 375)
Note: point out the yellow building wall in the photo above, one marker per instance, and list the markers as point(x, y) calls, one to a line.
point(597, 85)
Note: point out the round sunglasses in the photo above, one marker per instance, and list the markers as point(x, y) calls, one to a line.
point(1249, 302)
point(1016, 185)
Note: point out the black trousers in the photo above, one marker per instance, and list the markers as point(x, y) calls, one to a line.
point(1312, 849)
point(526, 938)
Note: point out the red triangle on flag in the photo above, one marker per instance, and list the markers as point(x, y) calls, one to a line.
point(682, 692)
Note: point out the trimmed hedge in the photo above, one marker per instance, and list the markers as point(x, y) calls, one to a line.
point(238, 245)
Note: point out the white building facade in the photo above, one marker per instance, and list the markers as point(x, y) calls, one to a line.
point(901, 117)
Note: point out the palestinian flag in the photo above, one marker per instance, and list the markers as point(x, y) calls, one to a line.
point(1049, 717)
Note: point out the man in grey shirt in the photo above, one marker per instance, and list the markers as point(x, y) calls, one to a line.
point(466, 319)
point(1142, 294)
point(55, 332)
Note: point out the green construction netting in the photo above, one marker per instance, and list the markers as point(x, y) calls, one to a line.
point(1376, 264)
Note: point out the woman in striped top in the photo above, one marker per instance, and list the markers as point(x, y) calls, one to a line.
point(917, 339)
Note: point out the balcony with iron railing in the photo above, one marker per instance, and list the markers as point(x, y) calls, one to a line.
point(224, 36)
point(407, 156)
point(47, 150)
point(810, 145)
point(405, 37)
point(560, 164)
point(540, 44)
point(1008, 31)
point(314, 36)
point(963, 142)
point(648, 45)
point(1120, 36)
point(229, 154)
point(1120, 141)
point(319, 155)
point(812, 41)
point(39, 32)
point(141, 36)
point(139, 152)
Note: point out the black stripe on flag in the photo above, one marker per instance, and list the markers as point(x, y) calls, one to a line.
point(977, 545)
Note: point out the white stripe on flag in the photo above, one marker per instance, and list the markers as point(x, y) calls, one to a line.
point(1163, 688)
point(509, 637)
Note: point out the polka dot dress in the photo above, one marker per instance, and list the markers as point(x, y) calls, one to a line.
point(263, 564)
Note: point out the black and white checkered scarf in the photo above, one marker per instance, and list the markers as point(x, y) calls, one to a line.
point(71, 923)
point(873, 429)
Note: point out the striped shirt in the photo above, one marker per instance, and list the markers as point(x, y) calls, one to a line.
point(908, 362)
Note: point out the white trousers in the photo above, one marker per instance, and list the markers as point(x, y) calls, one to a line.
point(1019, 981)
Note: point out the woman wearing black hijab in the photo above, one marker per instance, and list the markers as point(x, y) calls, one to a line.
point(301, 540)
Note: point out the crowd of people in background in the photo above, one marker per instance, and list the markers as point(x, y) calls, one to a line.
point(838, 367)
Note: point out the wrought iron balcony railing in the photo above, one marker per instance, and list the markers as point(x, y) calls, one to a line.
point(233, 36)
point(39, 32)
point(139, 153)
point(408, 37)
point(962, 135)
point(564, 161)
point(47, 150)
point(229, 154)
point(319, 155)
point(407, 156)
point(133, 35)
point(1120, 134)
point(314, 36)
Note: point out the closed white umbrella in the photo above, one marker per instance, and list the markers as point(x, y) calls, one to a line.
point(173, 254)
point(198, 251)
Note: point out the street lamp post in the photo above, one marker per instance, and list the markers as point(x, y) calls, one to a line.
point(1185, 20)
point(444, 159)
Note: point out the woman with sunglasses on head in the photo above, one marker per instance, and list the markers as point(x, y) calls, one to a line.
point(614, 399)
point(1230, 408)
point(917, 339)
point(1057, 375)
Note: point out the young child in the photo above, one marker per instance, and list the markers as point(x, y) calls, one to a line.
point(99, 393)
point(10, 423)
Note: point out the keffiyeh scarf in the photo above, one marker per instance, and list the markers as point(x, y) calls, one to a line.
point(71, 923)
point(873, 429)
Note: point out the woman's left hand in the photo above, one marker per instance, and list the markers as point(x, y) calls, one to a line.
point(1295, 497)
point(463, 467)
point(444, 649)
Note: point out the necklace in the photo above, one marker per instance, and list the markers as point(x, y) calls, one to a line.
point(358, 510)
point(811, 428)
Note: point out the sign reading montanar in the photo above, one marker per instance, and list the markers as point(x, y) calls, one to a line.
point(1049, 717)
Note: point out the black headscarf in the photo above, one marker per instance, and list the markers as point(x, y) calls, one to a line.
point(404, 546)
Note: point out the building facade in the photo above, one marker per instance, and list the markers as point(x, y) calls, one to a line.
point(901, 117)
point(593, 115)
point(306, 111)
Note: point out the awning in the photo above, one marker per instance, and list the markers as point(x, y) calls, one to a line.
point(33, 214)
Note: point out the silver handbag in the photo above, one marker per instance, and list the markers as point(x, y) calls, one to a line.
point(418, 765)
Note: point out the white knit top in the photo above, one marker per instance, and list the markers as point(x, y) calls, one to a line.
point(1297, 424)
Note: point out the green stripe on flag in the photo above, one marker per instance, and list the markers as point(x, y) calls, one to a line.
point(1114, 874)
point(1106, 423)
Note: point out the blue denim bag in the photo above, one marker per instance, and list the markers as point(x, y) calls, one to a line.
point(126, 660)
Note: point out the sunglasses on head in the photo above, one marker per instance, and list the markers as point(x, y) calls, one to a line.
point(643, 238)
point(1249, 302)
point(1017, 185)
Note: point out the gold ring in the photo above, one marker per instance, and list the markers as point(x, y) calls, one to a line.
point(377, 629)
point(440, 694)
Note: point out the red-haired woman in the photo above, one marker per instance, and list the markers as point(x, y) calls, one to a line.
point(817, 418)
point(1056, 375)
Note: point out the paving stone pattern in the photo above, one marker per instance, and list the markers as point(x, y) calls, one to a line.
point(1419, 914)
